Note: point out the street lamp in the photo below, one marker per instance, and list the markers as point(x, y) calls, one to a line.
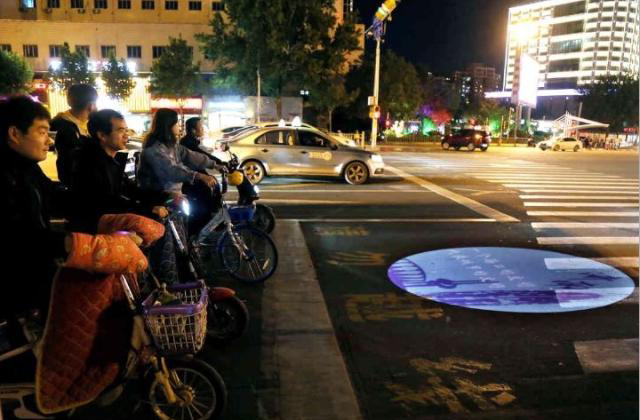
point(377, 30)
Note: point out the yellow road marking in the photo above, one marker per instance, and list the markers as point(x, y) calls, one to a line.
point(386, 306)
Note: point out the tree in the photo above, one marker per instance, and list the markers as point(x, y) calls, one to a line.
point(73, 69)
point(400, 88)
point(15, 74)
point(330, 94)
point(117, 78)
point(173, 74)
point(613, 100)
point(291, 43)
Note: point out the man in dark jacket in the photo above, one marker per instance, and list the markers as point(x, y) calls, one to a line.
point(99, 180)
point(71, 127)
point(203, 202)
point(29, 199)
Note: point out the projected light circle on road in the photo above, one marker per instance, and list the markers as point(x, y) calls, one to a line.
point(511, 279)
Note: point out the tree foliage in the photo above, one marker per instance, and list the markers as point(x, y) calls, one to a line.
point(292, 43)
point(173, 74)
point(400, 88)
point(15, 74)
point(117, 78)
point(74, 69)
point(613, 100)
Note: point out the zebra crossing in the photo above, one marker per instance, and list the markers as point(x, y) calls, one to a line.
point(566, 207)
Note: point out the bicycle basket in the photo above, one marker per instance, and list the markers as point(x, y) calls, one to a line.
point(181, 328)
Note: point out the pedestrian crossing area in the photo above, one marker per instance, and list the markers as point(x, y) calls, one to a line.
point(566, 207)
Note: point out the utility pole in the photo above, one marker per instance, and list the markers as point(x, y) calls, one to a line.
point(377, 30)
point(259, 98)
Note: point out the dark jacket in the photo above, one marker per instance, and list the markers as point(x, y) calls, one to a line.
point(28, 259)
point(68, 141)
point(99, 182)
point(191, 142)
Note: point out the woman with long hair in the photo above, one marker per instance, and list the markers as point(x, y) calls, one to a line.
point(165, 166)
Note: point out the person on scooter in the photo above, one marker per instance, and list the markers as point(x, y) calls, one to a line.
point(165, 166)
point(99, 179)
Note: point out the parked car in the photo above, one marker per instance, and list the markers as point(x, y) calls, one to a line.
point(561, 143)
point(282, 151)
point(469, 138)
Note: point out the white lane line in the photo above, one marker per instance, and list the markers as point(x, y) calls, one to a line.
point(576, 197)
point(589, 263)
point(576, 204)
point(354, 191)
point(580, 225)
point(443, 220)
point(286, 201)
point(587, 240)
point(614, 355)
point(531, 184)
point(558, 183)
point(581, 191)
point(547, 175)
point(460, 199)
point(585, 213)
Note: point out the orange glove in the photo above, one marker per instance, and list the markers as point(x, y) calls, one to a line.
point(108, 254)
point(149, 230)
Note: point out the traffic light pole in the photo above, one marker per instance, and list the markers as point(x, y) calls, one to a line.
point(376, 87)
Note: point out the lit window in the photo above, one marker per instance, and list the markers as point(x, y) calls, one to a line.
point(84, 49)
point(107, 51)
point(54, 51)
point(27, 4)
point(171, 5)
point(30, 50)
point(134, 51)
point(148, 4)
point(195, 5)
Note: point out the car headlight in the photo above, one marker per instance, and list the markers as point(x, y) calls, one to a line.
point(376, 158)
point(186, 207)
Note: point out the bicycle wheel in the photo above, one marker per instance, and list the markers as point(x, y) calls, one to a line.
point(249, 256)
point(263, 218)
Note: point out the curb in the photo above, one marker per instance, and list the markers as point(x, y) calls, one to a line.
point(300, 353)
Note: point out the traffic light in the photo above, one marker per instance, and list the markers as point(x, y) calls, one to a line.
point(374, 112)
point(385, 9)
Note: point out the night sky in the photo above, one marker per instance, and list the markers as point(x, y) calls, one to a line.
point(445, 35)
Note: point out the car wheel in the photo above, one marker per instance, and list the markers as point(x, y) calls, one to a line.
point(471, 147)
point(446, 145)
point(485, 148)
point(456, 147)
point(254, 171)
point(543, 147)
point(576, 148)
point(356, 173)
point(556, 148)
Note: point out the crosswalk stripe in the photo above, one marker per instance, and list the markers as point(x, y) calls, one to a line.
point(583, 225)
point(573, 263)
point(581, 191)
point(576, 197)
point(584, 240)
point(585, 213)
point(531, 184)
point(577, 204)
point(613, 355)
point(546, 174)
point(558, 183)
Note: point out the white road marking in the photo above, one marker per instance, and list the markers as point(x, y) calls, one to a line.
point(558, 183)
point(578, 225)
point(460, 199)
point(576, 204)
point(442, 220)
point(585, 240)
point(547, 175)
point(530, 184)
point(576, 197)
point(355, 191)
point(588, 263)
point(581, 191)
point(286, 201)
point(614, 355)
point(585, 213)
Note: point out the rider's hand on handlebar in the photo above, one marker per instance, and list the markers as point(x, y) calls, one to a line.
point(160, 211)
point(206, 179)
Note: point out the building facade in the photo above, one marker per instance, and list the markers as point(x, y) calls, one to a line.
point(475, 81)
point(574, 41)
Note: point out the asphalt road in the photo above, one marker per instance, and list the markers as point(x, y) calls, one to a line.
point(409, 357)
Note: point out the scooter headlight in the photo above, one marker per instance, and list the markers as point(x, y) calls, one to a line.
point(256, 189)
point(186, 207)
